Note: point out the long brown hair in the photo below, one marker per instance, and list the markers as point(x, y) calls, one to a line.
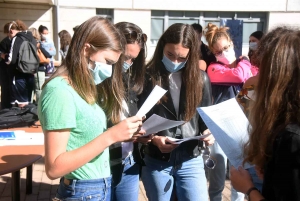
point(277, 97)
point(14, 25)
point(213, 33)
point(185, 35)
point(101, 34)
point(137, 71)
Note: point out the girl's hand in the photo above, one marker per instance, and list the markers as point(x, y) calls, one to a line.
point(124, 130)
point(163, 145)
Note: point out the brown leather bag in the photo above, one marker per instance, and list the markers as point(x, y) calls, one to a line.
point(43, 59)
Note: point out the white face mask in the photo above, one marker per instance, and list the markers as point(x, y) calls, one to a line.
point(227, 57)
point(253, 45)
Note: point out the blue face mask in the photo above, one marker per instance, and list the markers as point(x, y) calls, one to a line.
point(126, 66)
point(171, 66)
point(101, 72)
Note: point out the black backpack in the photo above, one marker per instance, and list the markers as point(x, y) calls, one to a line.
point(28, 60)
point(18, 117)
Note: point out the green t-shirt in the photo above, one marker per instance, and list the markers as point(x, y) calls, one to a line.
point(60, 107)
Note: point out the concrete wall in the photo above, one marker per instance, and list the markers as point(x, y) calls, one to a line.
point(288, 19)
point(70, 17)
point(31, 15)
point(142, 18)
point(211, 5)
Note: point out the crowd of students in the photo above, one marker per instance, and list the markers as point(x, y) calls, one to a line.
point(94, 140)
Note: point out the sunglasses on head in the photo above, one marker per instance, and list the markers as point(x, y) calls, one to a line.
point(210, 163)
point(140, 37)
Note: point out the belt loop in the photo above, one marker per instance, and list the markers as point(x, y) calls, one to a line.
point(73, 183)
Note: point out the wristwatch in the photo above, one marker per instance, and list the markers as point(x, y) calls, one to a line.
point(247, 195)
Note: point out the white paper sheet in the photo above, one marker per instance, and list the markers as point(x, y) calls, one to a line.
point(24, 138)
point(152, 99)
point(179, 141)
point(157, 123)
point(229, 126)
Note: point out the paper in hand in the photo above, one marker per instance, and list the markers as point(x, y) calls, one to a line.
point(152, 99)
point(229, 125)
point(157, 123)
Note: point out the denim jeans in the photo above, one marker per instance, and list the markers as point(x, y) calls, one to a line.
point(128, 188)
point(83, 190)
point(182, 173)
point(217, 177)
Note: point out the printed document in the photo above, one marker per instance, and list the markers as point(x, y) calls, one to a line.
point(157, 123)
point(229, 125)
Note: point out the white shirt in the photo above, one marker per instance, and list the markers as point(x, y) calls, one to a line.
point(127, 147)
point(175, 81)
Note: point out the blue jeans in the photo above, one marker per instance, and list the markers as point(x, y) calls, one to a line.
point(217, 177)
point(83, 190)
point(128, 188)
point(182, 173)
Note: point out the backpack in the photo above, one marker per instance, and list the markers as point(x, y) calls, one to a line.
point(18, 117)
point(28, 61)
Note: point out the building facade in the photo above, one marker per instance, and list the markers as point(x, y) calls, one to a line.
point(153, 16)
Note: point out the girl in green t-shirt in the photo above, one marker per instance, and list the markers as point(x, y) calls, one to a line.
point(75, 127)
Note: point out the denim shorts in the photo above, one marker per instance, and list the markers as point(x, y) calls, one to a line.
point(91, 190)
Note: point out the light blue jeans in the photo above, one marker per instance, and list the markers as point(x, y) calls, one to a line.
point(128, 188)
point(181, 173)
point(217, 177)
point(85, 190)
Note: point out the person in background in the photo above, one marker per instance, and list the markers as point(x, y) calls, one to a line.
point(21, 84)
point(48, 45)
point(5, 75)
point(125, 158)
point(206, 54)
point(274, 143)
point(227, 76)
point(75, 126)
point(177, 170)
point(254, 39)
point(39, 77)
point(65, 40)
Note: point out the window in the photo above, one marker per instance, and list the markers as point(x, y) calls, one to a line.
point(161, 20)
point(107, 13)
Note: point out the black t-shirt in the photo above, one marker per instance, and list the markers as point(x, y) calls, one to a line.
point(282, 172)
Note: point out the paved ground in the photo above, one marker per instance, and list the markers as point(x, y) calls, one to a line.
point(44, 189)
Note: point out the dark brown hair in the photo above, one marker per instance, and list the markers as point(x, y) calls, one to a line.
point(101, 34)
point(14, 25)
point(137, 69)
point(251, 53)
point(184, 35)
point(277, 101)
